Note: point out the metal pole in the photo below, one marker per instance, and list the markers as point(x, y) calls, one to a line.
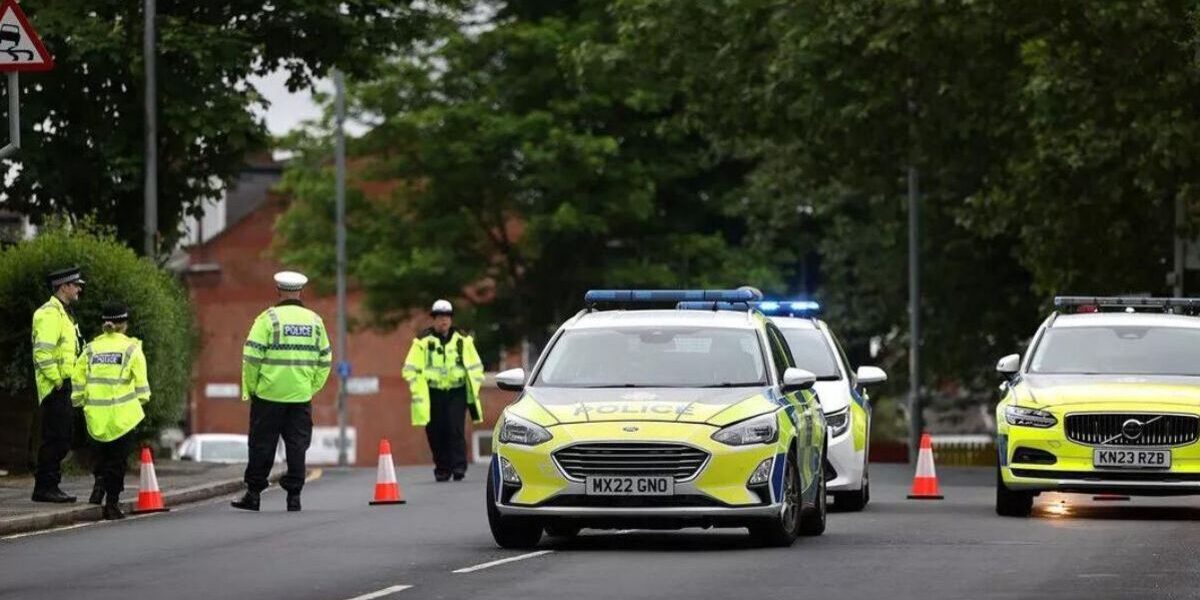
point(340, 193)
point(1177, 276)
point(150, 225)
point(916, 424)
point(14, 117)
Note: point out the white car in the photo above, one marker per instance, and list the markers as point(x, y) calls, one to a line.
point(844, 401)
point(225, 448)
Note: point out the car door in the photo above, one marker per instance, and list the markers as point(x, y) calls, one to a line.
point(809, 422)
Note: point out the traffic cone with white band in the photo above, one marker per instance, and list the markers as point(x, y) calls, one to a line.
point(150, 499)
point(387, 489)
point(925, 483)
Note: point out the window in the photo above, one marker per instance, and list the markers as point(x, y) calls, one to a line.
point(779, 351)
point(1123, 350)
point(812, 353)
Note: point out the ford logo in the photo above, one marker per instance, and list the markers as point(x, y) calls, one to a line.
point(1132, 429)
point(630, 429)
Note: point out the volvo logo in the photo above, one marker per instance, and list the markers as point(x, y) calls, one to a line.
point(1132, 429)
point(630, 429)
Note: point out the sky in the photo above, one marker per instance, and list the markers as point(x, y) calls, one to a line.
point(287, 110)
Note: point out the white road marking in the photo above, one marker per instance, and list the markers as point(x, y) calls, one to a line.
point(17, 536)
point(502, 561)
point(387, 591)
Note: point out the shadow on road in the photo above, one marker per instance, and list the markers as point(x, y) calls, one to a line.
point(660, 541)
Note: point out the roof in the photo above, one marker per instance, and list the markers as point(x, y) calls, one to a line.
point(1114, 319)
point(662, 318)
point(795, 322)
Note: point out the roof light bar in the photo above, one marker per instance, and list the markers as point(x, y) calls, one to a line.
point(1083, 303)
point(668, 296)
point(805, 308)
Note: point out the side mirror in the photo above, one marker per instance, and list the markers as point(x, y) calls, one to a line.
point(1009, 365)
point(869, 375)
point(795, 380)
point(512, 380)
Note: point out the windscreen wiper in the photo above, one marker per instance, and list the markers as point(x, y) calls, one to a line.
point(727, 384)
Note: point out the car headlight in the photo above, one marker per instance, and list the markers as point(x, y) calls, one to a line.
point(515, 430)
point(838, 421)
point(762, 429)
point(1029, 417)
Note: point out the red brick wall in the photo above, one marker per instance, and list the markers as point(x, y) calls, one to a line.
point(228, 300)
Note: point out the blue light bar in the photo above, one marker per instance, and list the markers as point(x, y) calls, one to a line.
point(806, 308)
point(667, 296)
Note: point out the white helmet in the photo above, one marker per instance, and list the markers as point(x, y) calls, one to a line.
point(442, 307)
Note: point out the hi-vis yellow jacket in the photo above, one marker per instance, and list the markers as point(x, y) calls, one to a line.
point(286, 357)
point(55, 346)
point(109, 382)
point(432, 364)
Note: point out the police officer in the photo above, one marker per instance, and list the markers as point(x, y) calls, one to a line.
point(285, 362)
point(56, 342)
point(109, 382)
point(444, 374)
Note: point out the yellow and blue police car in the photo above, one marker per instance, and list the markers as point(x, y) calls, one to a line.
point(1106, 400)
point(660, 419)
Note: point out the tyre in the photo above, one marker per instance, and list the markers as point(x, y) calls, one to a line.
point(782, 531)
point(519, 533)
point(562, 530)
point(812, 522)
point(1012, 503)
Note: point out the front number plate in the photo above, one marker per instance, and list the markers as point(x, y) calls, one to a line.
point(1131, 459)
point(600, 485)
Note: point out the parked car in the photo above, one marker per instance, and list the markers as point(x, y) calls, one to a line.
point(227, 448)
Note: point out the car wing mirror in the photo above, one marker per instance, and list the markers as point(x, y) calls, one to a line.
point(1009, 365)
point(512, 380)
point(795, 379)
point(869, 375)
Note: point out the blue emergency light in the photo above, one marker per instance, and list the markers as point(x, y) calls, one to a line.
point(668, 296)
point(799, 308)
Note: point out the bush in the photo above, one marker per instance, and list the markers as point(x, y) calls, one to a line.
point(160, 316)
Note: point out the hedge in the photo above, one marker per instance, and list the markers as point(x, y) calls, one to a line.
point(160, 315)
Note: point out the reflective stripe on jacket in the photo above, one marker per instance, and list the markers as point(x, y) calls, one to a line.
point(109, 382)
point(286, 357)
point(55, 346)
point(432, 364)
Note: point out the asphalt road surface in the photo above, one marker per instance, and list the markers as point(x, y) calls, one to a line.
point(438, 546)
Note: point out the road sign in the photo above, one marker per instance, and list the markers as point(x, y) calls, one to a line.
point(20, 47)
point(343, 369)
point(362, 386)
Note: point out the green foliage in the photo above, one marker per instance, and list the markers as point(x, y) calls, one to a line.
point(83, 147)
point(159, 309)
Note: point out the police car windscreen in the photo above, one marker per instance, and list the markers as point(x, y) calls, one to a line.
point(655, 357)
point(812, 353)
point(1119, 350)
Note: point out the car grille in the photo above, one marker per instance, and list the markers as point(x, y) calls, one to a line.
point(622, 458)
point(1105, 429)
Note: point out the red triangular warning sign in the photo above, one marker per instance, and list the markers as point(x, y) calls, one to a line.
point(20, 47)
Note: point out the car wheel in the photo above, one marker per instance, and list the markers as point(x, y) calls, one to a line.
point(510, 532)
point(1012, 503)
point(782, 531)
point(562, 530)
point(812, 523)
point(853, 501)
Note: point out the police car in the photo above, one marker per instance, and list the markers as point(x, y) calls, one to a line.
point(661, 419)
point(1107, 399)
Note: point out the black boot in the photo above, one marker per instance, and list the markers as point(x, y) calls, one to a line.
point(53, 494)
point(458, 475)
point(293, 501)
point(441, 475)
point(97, 496)
point(112, 512)
point(248, 502)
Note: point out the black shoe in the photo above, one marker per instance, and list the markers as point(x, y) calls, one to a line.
point(293, 502)
point(441, 475)
point(248, 502)
point(97, 496)
point(54, 495)
point(458, 475)
point(112, 512)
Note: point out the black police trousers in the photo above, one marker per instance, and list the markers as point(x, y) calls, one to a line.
point(268, 422)
point(446, 430)
point(58, 421)
point(112, 458)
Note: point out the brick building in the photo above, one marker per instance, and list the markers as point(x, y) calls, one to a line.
point(229, 276)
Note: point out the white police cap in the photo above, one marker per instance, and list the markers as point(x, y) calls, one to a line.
point(290, 281)
point(442, 307)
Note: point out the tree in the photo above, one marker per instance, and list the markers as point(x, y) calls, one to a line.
point(83, 148)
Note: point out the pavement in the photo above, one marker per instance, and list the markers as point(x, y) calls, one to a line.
point(180, 482)
point(438, 546)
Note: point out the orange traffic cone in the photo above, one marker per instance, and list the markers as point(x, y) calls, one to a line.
point(387, 490)
point(150, 499)
point(925, 483)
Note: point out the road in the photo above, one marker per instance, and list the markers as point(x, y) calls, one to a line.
point(339, 548)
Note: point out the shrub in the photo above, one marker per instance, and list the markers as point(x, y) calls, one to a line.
point(160, 316)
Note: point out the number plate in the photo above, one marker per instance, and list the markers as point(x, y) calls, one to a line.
point(598, 485)
point(1131, 459)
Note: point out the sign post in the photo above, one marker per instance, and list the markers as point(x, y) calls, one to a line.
point(20, 50)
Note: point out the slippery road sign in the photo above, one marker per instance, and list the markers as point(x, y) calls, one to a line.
point(20, 47)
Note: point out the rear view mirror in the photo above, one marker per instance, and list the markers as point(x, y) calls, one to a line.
point(1009, 365)
point(795, 380)
point(869, 375)
point(512, 380)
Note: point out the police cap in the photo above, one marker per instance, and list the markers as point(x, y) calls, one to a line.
point(442, 307)
point(114, 312)
point(290, 281)
point(64, 276)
